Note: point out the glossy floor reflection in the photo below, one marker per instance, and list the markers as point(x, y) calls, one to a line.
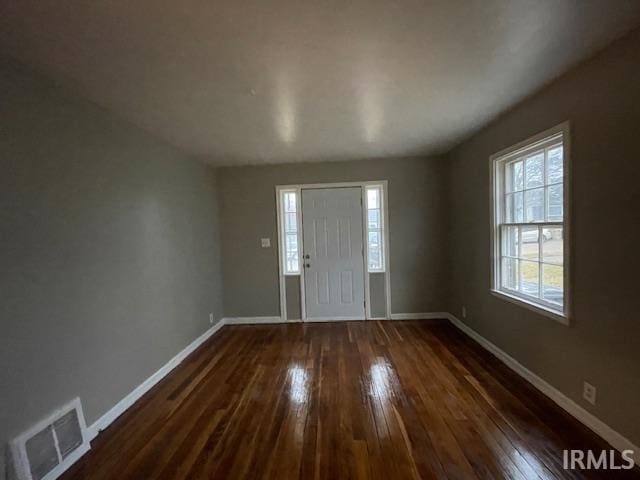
point(380, 400)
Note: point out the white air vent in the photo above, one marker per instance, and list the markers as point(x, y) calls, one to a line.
point(47, 449)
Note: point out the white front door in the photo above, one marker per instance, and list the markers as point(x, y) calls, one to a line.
point(333, 257)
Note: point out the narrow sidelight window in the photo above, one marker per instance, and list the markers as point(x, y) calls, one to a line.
point(529, 233)
point(290, 231)
point(375, 228)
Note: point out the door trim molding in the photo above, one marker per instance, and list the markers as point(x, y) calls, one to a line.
point(367, 293)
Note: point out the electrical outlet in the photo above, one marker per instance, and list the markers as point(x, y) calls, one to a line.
point(211, 318)
point(464, 312)
point(589, 393)
point(265, 242)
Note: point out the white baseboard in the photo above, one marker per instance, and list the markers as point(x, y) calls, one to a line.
point(615, 439)
point(253, 320)
point(119, 408)
point(333, 319)
point(394, 316)
point(419, 316)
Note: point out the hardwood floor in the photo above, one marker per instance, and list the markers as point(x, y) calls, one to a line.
point(379, 400)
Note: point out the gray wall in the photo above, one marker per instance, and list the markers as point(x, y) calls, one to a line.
point(601, 99)
point(292, 295)
point(417, 201)
point(109, 262)
point(377, 290)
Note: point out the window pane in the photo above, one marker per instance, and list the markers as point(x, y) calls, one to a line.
point(552, 246)
point(554, 203)
point(509, 275)
point(529, 278)
point(531, 251)
point(292, 242)
point(374, 239)
point(518, 207)
point(530, 243)
point(553, 283)
point(515, 176)
point(554, 165)
point(535, 205)
point(374, 219)
point(534, 169)
point(290, 202)
point(375, 258)
point(292, 265)
point(514, 207)
point(510, 242)
point(290, 222)
point(375, 250)
point(373, 198)
point(290, 233)
point(291, 252)
point(508, 206)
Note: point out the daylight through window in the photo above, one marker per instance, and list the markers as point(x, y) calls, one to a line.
point(290, 234)
point(375, 228)
point(529, 231)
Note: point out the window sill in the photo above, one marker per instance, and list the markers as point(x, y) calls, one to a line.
point(547, 312)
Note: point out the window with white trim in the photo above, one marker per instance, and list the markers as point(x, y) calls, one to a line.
point(290, 232)
point(529, 228)
point(375, 228)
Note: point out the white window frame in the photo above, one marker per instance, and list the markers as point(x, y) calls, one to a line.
point(383, 184)
point(381, 230)
point(497, 165)
point(282, 234)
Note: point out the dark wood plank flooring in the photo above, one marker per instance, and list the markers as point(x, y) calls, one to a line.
point(379, 400)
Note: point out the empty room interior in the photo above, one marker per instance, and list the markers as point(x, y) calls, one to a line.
point(319, 240)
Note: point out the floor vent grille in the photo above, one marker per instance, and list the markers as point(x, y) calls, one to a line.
point(48, 448)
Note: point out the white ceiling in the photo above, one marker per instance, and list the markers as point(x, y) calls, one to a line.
point(253, 81)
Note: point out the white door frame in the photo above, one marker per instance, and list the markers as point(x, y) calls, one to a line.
point(367, 294)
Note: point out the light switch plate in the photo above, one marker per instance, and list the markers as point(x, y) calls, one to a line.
point(265, 242)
